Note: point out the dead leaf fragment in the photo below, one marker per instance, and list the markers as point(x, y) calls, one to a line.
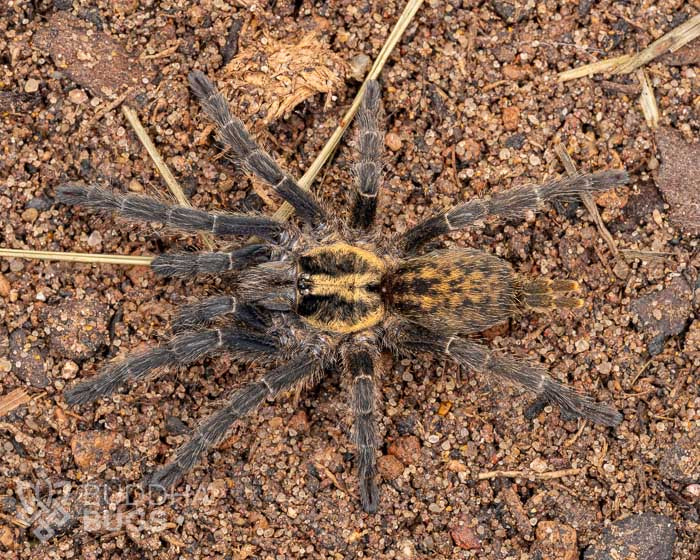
point(12, 400)
point(678, 178)
point(90, 58)
point(269, 80)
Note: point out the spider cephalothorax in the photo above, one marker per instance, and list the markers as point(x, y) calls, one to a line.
point(309, 298)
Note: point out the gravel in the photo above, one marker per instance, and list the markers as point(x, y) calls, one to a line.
point(473, 107)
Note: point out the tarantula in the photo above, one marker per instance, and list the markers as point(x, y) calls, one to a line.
point(327, 293)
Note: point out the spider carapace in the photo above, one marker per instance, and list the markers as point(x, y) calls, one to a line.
point(328, 294)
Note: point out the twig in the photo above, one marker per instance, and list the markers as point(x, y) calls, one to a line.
point(102, 112)
point(12, 400)
point(594, 68)
point(641, 370)
point(163, 168)
point(648, 101)
point(587, 198)
point(286, 210)
point(636, 254)
point(93, 258)
point(572, 440)
point(165, 52)
point(528, 474)
point(15, 521)
point(671, 41)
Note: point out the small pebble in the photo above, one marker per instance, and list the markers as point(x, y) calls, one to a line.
point(135, 186)
point(77, 96)
point(555, 541)
point(465, 537)
point(582, 345)
point(645, 536)
point(31, 85)
point(406, 449)
point(359, 65)
point(30, 215)
point(389, 467)
point(16, 265)
point(95, 239)
point(511, 115)
point(393, 141)
point(4, 286)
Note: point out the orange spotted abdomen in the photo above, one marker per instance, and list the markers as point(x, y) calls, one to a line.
point(457, 290)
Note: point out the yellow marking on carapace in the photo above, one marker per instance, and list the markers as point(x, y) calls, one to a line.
point(328, 274)
point(349, 286)
point(345, 327)
point(341, 248)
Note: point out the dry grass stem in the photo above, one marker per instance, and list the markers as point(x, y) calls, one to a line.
point(285, 211)
point(92, 258)
point(672, 41)
point(648, 100)
point(12, 400)
point(595, 68)
point(160, 164)
point(570, 167)
point(529, 474)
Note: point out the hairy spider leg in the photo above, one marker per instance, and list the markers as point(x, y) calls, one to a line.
point(187, 265)
point(249, 155)
point(368, 168)
point(181, 350)
point(360, 364)
point(510, 204)
point(195, 315)
point(146, 209)
point(296, 372)
point(532, 377)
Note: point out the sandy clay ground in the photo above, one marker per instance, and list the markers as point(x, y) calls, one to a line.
point(472, 107)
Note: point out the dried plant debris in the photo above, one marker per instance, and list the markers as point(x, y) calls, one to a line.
point(647, 536)
point(266, 81)
point(12, 400)
point(681, 461)
point(665, 313)
point(91, 58)
point(556, 540)
point(689, 54)
point(670, 42)
point(678, 178)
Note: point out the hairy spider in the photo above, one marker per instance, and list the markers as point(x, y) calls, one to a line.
point(328, 293)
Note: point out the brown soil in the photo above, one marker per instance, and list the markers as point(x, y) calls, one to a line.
point(472, 107)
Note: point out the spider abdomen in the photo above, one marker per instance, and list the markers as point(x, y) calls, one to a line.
point(458, 290)
point(338, 288)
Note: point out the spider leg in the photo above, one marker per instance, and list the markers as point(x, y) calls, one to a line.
point(146, 209)
point(509, 204)
point(530, 376)
point(187, 265)
point(369, 166)
point(190, 317)
point(212, 431)
point(252, 157)
point(183, 349)
point(360, 365)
